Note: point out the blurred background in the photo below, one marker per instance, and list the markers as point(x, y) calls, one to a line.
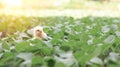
point(28, 13)
point(76, 8)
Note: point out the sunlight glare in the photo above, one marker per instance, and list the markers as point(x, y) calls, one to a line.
point(13, 3)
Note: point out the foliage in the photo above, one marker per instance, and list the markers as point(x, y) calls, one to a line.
point(93, 40)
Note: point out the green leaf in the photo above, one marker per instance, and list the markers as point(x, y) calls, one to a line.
point(59, 64)
point(46, 50)
point(37, 60)
point(50, 62)
point(25, 46)
point(7, 58)
point(22, 46)
point(6, 46)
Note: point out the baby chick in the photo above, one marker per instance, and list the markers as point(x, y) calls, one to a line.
point(40, 34)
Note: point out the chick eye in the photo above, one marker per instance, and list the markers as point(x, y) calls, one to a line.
point(37, 30)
